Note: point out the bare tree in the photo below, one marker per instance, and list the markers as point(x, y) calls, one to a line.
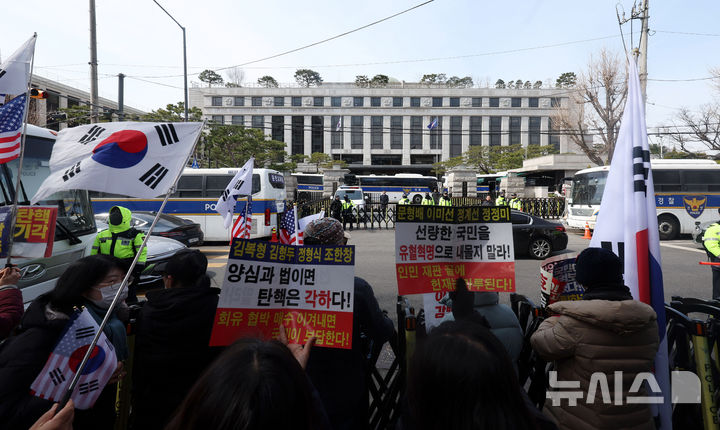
point(702, 126)
point(600, 94)
point(235, 77)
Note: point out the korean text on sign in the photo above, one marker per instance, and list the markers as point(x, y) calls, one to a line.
point(308, 289)
point(434, 245)
point(34, 232)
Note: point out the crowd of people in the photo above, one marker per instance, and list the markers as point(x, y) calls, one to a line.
point(462, 375)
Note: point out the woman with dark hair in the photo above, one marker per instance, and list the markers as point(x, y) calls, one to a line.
point(172, 338)
point(254, 384)
point(90, 282)
point(461, 377)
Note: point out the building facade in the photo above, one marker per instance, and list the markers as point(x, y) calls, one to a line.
point(402, 126)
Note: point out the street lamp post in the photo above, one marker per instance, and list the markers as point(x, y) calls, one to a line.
point(184, 57)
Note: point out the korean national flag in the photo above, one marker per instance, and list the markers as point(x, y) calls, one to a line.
point(15, 70)
point(136, 159)
point(240, 185)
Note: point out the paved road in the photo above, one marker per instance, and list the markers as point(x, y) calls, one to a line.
point(376, 263)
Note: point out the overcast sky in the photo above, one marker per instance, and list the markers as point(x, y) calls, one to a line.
point(506, 40)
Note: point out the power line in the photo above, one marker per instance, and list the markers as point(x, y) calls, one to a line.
point(687, 33)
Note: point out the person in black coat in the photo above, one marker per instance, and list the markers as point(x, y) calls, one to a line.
point(340, 375)
point(336, 208)
point(173, 333)
point(384, 200)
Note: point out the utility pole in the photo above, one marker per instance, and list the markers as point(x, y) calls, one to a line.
point(121, 97)
point(642, 55)
point(93, 66)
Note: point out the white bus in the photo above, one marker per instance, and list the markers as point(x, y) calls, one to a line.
point(75, 228)
point(686, 192)
point(197, 193)
point(414, 185)
point(309, 186)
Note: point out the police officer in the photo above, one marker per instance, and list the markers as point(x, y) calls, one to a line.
point(515, 202)
point(347, 209)
point(500, 200)
point(122, 241)
point(711, 241)
point(445, 200)
point(428, 200)
point(404, 200)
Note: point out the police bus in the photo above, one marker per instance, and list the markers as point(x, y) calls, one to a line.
point(309, 186)
point(197, 193)
point(414, 185)
point(686, 192)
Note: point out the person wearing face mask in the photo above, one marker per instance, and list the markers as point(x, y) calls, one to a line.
point(90, 282)
point(172, 337)
point(122, 241)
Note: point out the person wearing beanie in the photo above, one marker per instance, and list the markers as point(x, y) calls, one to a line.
point(605, 332)
point(340, 375)
point(172, 337)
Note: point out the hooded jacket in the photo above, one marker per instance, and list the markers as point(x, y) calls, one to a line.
point(121, 240)
point(599, 336)
point(171, 350)
point(11, 309)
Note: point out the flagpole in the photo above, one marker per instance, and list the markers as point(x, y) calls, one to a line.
point(124, 284)
point(297, 224)
point(13, 211)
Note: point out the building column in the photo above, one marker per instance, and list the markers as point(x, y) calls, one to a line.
point(406, 140)
point(287, 133)
point(505, 131)
point(485, 130)
point(267, 125)
point(524, 136)
point(445, 138)
point(327, 136)
point(544, 138)
point(307, 134)
point(465, 134)
point(367, 159)
point(426, 133)
point(62, 103)
point(386, 132)
point(346, 123)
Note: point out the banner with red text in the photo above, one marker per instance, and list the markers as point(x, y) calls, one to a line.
point(435, 245)
point(34, 232)
point(308, 289)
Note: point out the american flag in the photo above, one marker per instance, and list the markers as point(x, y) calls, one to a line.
point(11, 120)
point(54, 379)
point(243, 224)
point(288, 228)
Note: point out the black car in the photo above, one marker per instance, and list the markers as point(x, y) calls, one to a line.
point(536, 236)
point(180, 229)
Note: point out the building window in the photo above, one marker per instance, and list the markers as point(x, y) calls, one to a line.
point(217, 101)
point(455, 136)
point(454, 101)
point(436, 133)
point(356, 131)
point(534, 130)
point(279, 101)
point(298, 134)
point(278, 128)
point(318, 101)
point(414, 101)
point(258, 121)
point(416, 127)
point(297, 101)
point(335, 101)
point(494, 102)
point(257, 101)
point(475, 130)
point(386, 160)
point(358, 101)
point(515, 130)
point(555, 102)
point(477, 102)
point(317, 137)
point(376, 132)
point(396, 132)
point(533, 102)
point(375, 101)
point(554, 138)
point(495, 128)
point(336, 135)
point(437, 101)
point(238, 101)
point(516, 102)
point(218, 119)
point(397, 101)
point(238, 120)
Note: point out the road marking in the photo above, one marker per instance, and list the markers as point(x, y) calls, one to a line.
point(217, 257)
point(684, 248)
point(217, 264)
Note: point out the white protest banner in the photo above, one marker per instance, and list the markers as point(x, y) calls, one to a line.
point(308, 289)
point(435, 245)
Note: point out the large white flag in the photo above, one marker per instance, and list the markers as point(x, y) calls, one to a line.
point(137, 159)
point(240, 185)
point(627, 224)
point(15, 71)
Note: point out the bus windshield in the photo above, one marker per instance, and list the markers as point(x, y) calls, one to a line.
point(588, 188)
point(74, 209)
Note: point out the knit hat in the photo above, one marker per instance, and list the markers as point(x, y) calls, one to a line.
point(324, 231)
point(187, 265)
point(598, 266)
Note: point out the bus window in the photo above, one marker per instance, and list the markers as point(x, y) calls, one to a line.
point(701, 180)
point(588, 188)
point(666, 180)
point(215, 184)
point(256, 185)
point(278, 181)
point(189, 186)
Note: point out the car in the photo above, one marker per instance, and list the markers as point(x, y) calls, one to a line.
point(356, 196)
point(535, 236)
point(160, 249)
point(180, 229)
